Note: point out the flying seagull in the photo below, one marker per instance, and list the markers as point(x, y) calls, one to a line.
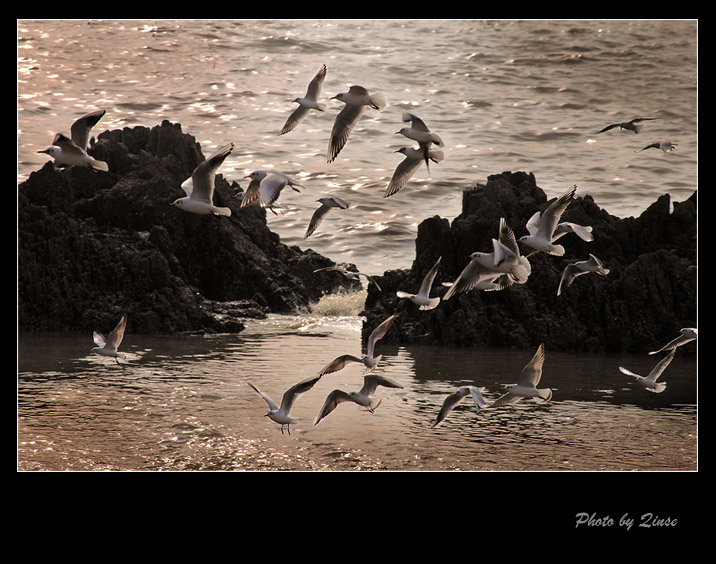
point(527, 384)
point(356, 100)
point(282, 415)
point(199, 192)
point(361, 397)
point(350, 274)
point(456, 397)
point(593, 264)
point(108, 346)
point(422, 298)
point(649, 382)
point(631, 125)
point(327, 204)
point(307, 103)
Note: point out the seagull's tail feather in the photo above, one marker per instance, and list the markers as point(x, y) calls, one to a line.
point(660, 387)
point(378, 101)
point(432, 305)
point(321, 107)
point(222, 211)
point(557, 250)
point(99, 165)
point(545, 394)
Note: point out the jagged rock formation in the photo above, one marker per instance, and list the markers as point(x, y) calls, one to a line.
point(94, 245)
point(649, 294)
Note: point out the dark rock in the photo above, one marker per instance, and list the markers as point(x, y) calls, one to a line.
point(649, 294)
point(95, 245)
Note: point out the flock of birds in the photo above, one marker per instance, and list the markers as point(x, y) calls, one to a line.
point(487, 271)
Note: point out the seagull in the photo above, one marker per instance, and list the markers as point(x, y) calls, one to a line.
point(109, 346)
point(527, 385)
point(593, 264)
point(628, 125)
point(80, 129)
point(456, 397)
point(66, 153)
point(367, 359)
point(265, 187)
point(282, 415)
point(307, 103)
point(200, 191)
point(666, 146)
point(361, 397)
point(350, 274)
point(327, 204)
point(407, 167)
point(356, 100)
point(687, 334)
point(419, 132)
point(422, 298)
point(490, 284)
point(584, 232)
point(649, 382)
point(484, 269)
point(542, 226)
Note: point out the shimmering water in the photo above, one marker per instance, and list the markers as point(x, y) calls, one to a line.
point(504, 95)
point(184, 403)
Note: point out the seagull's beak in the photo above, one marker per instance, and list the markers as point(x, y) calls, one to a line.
point(46, 151)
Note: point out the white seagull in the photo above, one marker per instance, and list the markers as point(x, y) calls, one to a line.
point(407, 167)
point(356, 100)
point(361, 397)
point(687, 334)
point(422, 298)
point(199, 192)
point(420, 132)
point(631, 125)
point(456, 397)
point(80, 129)
point(350, 274)
point(666, 146)
point(108, 346)
point(484, 269)
point(307, 103)
point(542, 226)
point(593, 264)
point(265, 187)
point(66, 153)
point(584, 232)
point(368, 360)
point(527, 384)
point(649, 382)
point(282, 415)
point(327, 204)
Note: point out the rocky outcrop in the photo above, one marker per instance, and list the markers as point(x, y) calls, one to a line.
point(648, 295)
point(95, 245)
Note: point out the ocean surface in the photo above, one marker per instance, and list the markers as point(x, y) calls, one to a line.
point(503, 95)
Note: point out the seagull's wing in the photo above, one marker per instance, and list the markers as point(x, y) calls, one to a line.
point(115, 337)
point(203, 176)
point(316, 219)
point(342, 127)
point(507, 237)
point(403, 172)
point(270, 190)
point(568, 276)
point(505, 400)
point(341, 202)
point(98, 339)
point(471, 276)
point(378, 334)
point(372, 381)
point(477, 398)
point(314, 87)
point(532, 372)
point(661, 366)
point(608, 127)
point(66, 144)
point(415, 121)
point(685, 337)
point(267, 399)
point(289, 396)
point(252, 193)
point(450, 402)
point(429, 278)
point(338, 363)
point(638, 119)
point(551, 216)
point(328, 268)
point(296, 117)
point(370, 279)
point(533, 223)
point(80, 130)
point(335, 398)
point(629, 372)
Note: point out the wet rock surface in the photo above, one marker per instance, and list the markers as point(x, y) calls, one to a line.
point(648, 295)
point(93, 246)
